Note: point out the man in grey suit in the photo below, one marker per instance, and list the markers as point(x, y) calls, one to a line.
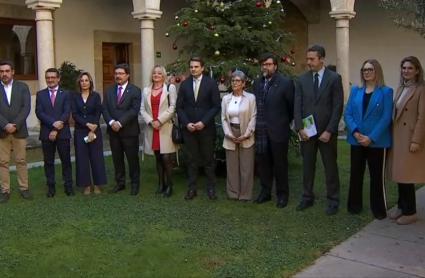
point(319, 94)
point(15, 105)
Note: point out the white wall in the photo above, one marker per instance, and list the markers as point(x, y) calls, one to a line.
point(372, 35)
point(76, 21)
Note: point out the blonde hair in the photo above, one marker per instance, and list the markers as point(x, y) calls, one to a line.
point(162, 70)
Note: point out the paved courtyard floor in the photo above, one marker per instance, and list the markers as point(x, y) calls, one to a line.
point(382, 249)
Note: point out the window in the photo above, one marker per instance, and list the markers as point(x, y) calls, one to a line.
point(18, 44)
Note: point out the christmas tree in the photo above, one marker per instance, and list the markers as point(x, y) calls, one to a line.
point(230, 35)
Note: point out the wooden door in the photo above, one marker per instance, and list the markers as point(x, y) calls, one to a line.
point(112, 54)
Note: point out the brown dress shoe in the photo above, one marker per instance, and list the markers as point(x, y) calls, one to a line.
point(407, 219)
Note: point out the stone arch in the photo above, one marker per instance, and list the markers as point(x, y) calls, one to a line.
point(309, 9)
point(297, 24)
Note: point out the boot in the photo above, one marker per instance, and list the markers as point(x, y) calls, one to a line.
point(168, 191)
point(161, 189)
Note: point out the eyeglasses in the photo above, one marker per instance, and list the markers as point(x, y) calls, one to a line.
point(267, 64)
point(368, 70)
point(236, 81)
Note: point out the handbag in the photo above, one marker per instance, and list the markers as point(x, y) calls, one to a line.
point(176, 132)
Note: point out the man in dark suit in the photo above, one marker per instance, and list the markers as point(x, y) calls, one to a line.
point(198, 102)
point(274, 94)
point(53, 108)
point(319, 94)
point(121, 106)
point(15, 105)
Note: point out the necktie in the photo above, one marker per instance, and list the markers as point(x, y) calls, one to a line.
point(196, 88)
point(316, 85)
point(119, 97)
point(266, 86)
point(53, 97)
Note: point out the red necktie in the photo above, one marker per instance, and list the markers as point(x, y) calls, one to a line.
point(119, 94)
point(53, 97)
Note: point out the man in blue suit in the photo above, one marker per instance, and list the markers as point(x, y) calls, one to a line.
point(53, 108)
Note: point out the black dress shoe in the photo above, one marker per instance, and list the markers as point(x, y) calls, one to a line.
point(263, 197)
point(26, 194)
point(50, 194)
point(331, 210)
point(117, 188)
point(51, 191)
point(281, 203)
point(211, 195)
point(190, 194)
point(4, 197)
point(69, 192)
point(304, 204)
point(134, 191)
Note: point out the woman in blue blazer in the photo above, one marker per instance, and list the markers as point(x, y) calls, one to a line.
point(86, 109)
point(368, 117)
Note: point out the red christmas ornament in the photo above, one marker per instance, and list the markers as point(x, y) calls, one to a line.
point(284, 59)
point(177, 79)
point(259, 4)
point(292, 52)
point(222, 79)
point(211, 27)
point(185, 23)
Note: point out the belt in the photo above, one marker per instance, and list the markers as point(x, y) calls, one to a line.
point(235, 125)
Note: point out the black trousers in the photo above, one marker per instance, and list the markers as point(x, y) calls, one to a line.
point(199, 152)
point(328, 152)
point(89, 156)
point(63, 147)
point(128, 146)
point(273, 164)
point(375, 158)
point(407, 198)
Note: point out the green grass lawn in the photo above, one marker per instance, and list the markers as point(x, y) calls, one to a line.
point(117, 235)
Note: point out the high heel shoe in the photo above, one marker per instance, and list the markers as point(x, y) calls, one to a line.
point(168, 191)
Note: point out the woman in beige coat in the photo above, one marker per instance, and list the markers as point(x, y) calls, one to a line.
point(407, 156)
point(238, 114)
point(158, 109)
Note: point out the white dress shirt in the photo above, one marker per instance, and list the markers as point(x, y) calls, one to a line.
point(8, 90)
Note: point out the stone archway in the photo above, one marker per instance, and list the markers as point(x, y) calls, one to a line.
point(297, 24)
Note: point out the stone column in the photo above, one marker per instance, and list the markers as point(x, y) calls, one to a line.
point(45, 42)
point(147, 19)
point(342, 12)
